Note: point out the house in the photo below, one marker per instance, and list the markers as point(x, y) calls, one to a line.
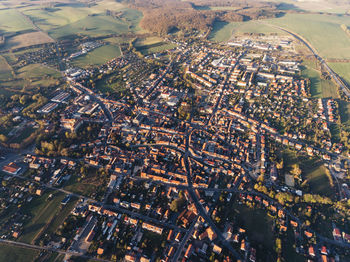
point(11, 168)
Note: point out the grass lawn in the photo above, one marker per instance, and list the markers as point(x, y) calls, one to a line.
point(62, 214)
point(318, 180)
point(5, 69)
point(312, 170)
point(42, 210)
point(23, 135)
point(98, 56)
point(320, 88)
point(82, 187)
point(259, 228)
point(11, 253)
point(322, 31)
point(13, 21)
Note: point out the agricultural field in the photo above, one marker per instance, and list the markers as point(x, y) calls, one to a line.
point(78, 18)
point(98, 56)
point(27, 39)
point(342, 69)
point(320, 88)
point(222, 31)
point(18, 254)
point(322, 31)
point(12, 21)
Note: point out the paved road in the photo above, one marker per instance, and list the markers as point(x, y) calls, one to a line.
point(45, 248)
point(336, 78)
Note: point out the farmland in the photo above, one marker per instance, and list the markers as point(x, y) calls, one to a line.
point(323, 32)
point(81, 19)
point(98, 56)
point(12, 21)
point(343, 69)
point(27, 39)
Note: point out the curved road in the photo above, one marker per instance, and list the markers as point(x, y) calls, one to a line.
point(336, 78)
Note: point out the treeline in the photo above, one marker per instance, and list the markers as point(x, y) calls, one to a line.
point(2, 40)
point(345, 29)
point(114, 14)
point(163, 16)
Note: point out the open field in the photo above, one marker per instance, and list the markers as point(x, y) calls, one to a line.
point(59, 218)
point(312, 170)
point(98, 56)
point(12, 21)
point(344, 111)
point(5, 69)
point(42, 210)
point(322, 31)
point(222, 31)
point(320, 88)
point(27, 39)
point(36, 70)
point(152, 45)
point(78, 18)
point(342, 69)
point(10, 253)
point(317, 179)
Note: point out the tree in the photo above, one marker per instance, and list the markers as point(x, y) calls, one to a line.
point(296, 171)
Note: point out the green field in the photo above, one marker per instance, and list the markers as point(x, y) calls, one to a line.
point(98, 56)
point(78, 18)
point(13, 21)
point(344, 111)
point(343, 69)
point(18, 254)
point(312, 170)
point(42, 210)
point(222, 31)
point(37, 70)
point(152, 45)
point(5, 69)
point(320, 88)
point(318, 180)
point(322, 31)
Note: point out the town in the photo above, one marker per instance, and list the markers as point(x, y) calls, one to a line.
point(191, 161)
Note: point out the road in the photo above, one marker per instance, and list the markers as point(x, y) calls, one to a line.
point(335, 77)
point(51, 249)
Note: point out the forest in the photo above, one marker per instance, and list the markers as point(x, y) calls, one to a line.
point(165, 16)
